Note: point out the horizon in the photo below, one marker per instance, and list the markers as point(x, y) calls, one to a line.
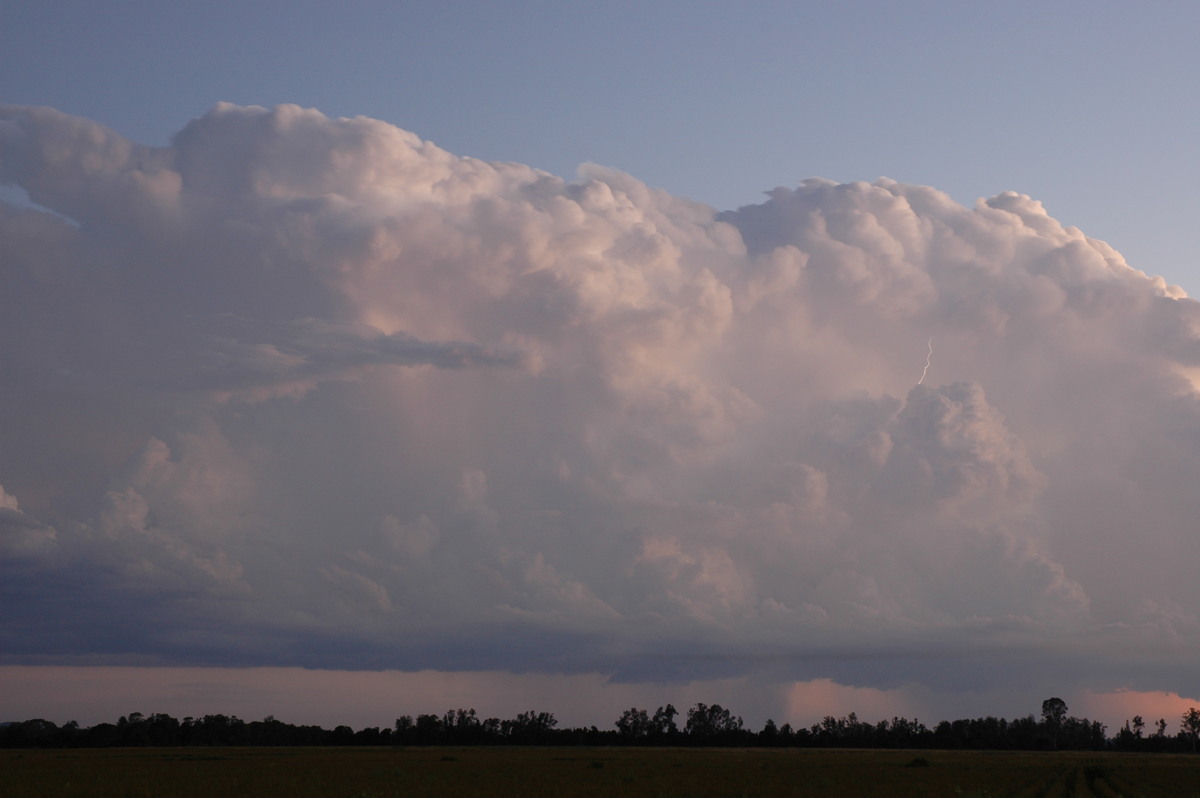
point(357, 698)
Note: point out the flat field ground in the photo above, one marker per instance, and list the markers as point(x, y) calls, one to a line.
point(658, 772)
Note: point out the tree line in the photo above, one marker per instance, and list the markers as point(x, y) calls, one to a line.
point(702, 725)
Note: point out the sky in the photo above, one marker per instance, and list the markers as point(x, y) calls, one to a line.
point(804, 358)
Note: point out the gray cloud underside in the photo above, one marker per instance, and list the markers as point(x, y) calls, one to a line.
point(297, 390)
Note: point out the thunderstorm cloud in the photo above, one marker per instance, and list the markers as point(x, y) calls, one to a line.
point(301, 391)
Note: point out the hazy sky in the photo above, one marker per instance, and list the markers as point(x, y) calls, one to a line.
point(326, 344)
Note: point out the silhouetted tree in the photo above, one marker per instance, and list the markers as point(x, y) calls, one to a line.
point(634, 724)
point(707, 724)
point(905, 733)
point(402, 731)
point(1190, 725)
point(462, 727)
point(428, 730)
point(33, 733)
point(529, 727)
point(664, 721)
point(1125, 739)
point(1053, 712)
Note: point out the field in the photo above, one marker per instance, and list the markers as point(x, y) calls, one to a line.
point(503, 772)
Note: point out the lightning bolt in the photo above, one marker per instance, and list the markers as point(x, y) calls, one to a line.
point(928, 360)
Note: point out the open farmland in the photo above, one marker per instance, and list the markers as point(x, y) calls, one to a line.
point(501, 772)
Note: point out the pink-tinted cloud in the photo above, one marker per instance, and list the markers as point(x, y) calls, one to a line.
point(101, 693)
point(820, 698)
point(300, 391)
point(1123, 705)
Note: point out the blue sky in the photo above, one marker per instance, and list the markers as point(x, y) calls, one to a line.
point(293, 389)
point(1086, 106)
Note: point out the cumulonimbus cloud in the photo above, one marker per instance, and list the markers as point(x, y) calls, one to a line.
point(299, 390)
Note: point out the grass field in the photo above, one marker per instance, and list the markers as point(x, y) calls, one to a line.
point(504, 772)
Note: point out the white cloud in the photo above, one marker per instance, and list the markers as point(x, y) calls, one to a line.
point(304, 391)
